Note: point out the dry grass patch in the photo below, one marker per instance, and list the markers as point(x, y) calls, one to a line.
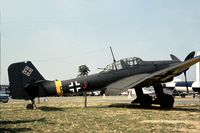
point(63, 115)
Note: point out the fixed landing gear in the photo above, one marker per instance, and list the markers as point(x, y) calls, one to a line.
point(146, 101)
point(165, 101)
point(31, 105)
point(143, 99)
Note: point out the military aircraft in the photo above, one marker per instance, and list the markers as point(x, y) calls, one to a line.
point(27, 83)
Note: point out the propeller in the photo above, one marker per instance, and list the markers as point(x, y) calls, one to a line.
point(173, 57)
point(190, 56)
point(186, 83)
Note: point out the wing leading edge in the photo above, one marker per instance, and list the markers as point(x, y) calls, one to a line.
point(143, 80)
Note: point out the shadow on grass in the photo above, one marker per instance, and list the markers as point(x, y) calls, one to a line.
point(46, 108)
point(135, 106)
point(125, 105)
point(22, 121)
point(15, 130)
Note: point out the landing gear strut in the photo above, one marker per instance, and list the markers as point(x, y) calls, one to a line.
point(143, 99)
point(31, 105)
point(165, 101)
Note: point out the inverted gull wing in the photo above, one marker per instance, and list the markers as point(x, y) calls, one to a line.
point(143, 80)
point(124, 84)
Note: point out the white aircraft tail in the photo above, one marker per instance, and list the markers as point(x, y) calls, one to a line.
point(196, 84)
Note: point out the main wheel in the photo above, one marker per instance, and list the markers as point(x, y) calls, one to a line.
point(30, 106)
point(145, 101)
point(167, 101)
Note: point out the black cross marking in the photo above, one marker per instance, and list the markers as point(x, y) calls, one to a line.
point(74, 86)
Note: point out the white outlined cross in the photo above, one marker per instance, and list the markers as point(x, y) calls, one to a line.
point(74, 86)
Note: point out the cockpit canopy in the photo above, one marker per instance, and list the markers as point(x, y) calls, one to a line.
point(123, 64)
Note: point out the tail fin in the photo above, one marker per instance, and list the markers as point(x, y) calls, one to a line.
point(21, 75)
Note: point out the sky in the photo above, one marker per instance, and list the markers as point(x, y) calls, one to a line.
point(60, 35)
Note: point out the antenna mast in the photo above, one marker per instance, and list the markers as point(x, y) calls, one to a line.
point(113, 58)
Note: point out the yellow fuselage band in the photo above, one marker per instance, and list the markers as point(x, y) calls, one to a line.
point(59, 89)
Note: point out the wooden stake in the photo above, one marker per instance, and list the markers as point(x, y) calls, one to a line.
point(85, 101)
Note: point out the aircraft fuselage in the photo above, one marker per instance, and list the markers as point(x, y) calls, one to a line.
point(97, 81)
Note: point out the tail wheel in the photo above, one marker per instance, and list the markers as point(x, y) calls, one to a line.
point(30, 106)
point(145, 100)
point(167, 101)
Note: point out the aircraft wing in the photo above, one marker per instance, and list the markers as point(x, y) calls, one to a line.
point(143, 80)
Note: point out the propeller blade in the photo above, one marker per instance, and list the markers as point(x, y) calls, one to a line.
point(186, 83)
point(190, 55)
point(173, 57)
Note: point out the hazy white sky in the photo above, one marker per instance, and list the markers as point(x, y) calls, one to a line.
point(60, 35)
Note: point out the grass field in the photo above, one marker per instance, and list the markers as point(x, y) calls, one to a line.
point(68, 115)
